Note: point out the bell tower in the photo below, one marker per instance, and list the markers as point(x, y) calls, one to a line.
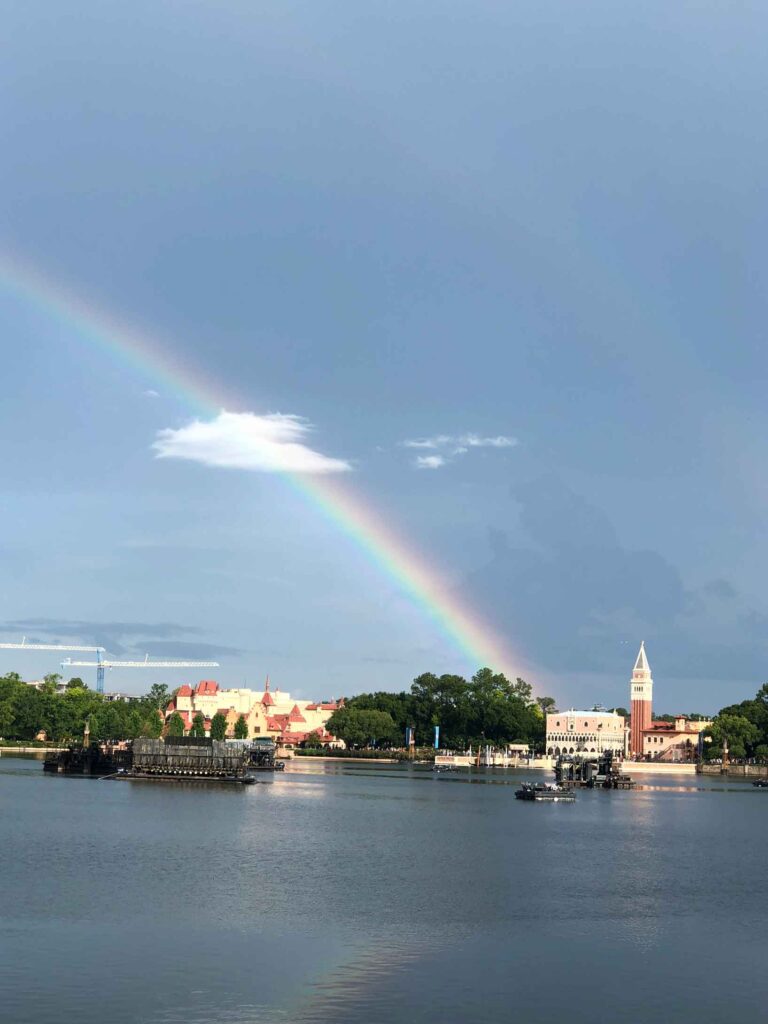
point(641, 700)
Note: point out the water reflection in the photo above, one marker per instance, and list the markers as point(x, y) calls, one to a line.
point(379, 895)
point(356, 989)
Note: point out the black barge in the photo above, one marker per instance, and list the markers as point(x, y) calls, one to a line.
point(600, 771)
point(172, 759)
point(188, 759)
point(542, 793)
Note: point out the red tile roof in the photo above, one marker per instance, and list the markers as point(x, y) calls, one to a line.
point(267, 698)
point(296, 715)
point(207, 688)
point(299, 737)
point(276, 722)
point(185, 691)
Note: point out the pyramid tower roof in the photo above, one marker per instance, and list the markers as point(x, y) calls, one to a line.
point(641, 665)
point(296, 715)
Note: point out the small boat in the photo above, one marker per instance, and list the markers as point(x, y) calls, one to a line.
point(761, 783)
point(440, 768)
point(549, 794)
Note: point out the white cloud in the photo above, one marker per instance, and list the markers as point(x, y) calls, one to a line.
point(429, 461)
point(427, 442)
point(270, 444)
point(473, 441)
point(452, 445)
point(461, 441)
point(151, 393)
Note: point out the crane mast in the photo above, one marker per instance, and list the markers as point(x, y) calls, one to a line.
point(101, 664)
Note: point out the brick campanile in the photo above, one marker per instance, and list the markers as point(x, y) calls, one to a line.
point(641, 698)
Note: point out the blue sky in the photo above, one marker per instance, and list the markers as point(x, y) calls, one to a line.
point(541, 222)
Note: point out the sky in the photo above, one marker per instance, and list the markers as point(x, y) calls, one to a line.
point(495, 270)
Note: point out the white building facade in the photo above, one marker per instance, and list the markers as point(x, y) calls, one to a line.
point(585, 732)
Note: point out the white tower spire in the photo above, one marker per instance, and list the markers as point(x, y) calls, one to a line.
point(641, 700)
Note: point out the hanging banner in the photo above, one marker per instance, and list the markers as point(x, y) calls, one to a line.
point(437, 736)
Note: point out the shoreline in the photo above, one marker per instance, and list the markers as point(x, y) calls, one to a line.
point(31, 750)
point(356, 760)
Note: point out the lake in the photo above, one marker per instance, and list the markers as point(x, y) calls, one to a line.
point(353, 893)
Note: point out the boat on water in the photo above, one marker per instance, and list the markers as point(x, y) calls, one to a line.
point(548, 794)
point(171, 759)
point(760, 783)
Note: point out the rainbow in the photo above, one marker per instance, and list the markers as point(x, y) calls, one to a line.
point(384, 547)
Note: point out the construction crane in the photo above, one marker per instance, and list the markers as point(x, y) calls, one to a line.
point(26, 646)
point(101, 665)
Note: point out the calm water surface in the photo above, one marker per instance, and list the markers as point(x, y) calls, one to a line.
point(338, 893)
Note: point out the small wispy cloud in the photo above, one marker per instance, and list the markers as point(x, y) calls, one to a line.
point(151, 393)
point(270, 444)
point(449, 446)
point(461, 440)
point(429, 461)
point(427, 442)
point(500, 441)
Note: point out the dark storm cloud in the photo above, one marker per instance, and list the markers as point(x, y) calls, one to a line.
point(191, 649)
point(579, 599)
point(117, 637)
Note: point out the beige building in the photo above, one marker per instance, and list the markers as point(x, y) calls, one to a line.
point(585, 732)
point(673, 741)
point(269, 714)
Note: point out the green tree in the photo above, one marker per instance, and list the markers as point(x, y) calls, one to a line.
point(241, 728)
point(51, 682)
point(741, 734)
point(359, 728)
point(152, 725)
point(218, 726)
point(522, 689)
point(439, 700)
point(76, 683)
point(67, 713)
point(7, 717)
point(548, 705)
point(198, 725)
point(158, 696)
point(175, 725)
point(312, 740)
point(111, 722)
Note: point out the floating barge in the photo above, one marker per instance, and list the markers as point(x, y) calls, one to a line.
point(592, 772)
point(547, 794)
point(88, 759)
point(261, 756)
point(188, 759)
point(172, 759)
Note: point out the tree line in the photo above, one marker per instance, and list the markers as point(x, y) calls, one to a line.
point(744, 726)
point(488, 708)
point(26, 711)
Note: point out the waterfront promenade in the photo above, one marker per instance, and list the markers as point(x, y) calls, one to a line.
point(548, 764)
